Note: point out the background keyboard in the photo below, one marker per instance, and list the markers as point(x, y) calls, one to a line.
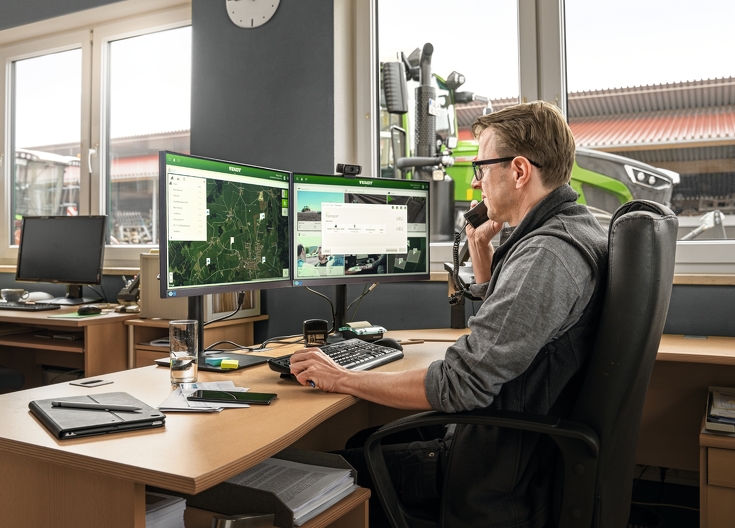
point(27, 307)
point(354, 354)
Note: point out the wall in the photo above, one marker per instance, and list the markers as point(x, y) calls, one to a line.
point(21, 12)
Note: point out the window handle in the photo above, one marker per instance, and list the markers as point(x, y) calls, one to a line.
point(91, 152)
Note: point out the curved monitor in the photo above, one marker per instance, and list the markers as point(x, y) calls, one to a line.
point(62, 249)
point(224, 226)
point(358, 230)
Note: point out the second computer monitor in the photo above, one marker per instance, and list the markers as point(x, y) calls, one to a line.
point(351, 230)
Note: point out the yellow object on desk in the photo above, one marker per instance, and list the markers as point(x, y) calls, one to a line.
point(229, 364)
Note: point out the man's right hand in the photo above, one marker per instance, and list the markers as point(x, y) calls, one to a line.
point(481, 250)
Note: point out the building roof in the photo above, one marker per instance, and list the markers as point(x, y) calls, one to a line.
point(685, 114)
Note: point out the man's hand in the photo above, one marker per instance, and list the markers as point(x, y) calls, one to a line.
point(400, 390)
point(313, 365)
point(481, 250)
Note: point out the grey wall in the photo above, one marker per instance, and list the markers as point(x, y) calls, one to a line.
point(264, 96)
point(20, 12)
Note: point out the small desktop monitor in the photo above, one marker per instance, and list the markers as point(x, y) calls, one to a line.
point(358, 230)
point(63, 249)
point(224, 226)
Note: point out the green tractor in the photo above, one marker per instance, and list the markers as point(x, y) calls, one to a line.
point(604, 181)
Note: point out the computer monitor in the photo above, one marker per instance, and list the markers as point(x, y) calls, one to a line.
point(224, 226)
point(359, 230)
point(63, 249)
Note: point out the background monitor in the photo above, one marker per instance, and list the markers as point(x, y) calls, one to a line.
point(224, 226)
point(62, 249)
point(359, 230)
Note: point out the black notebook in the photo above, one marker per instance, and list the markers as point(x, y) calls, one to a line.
point(65, 422)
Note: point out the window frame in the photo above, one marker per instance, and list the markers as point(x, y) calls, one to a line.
point(542, 75)
point(92, 37)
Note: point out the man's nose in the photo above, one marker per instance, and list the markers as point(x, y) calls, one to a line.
point(476, 184)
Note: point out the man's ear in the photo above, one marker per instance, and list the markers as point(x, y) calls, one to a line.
point(521, 168)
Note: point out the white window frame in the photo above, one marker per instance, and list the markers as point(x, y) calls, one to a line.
point(91, 31)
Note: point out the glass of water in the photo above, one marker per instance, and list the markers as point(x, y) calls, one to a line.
point(184, 350)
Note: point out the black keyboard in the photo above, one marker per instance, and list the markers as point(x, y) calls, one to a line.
point(354, 354)
point(27, 307)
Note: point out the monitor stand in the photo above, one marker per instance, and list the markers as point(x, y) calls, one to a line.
point(340, 313)
point(73, 297)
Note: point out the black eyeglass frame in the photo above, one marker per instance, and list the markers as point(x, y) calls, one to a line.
point(479, 174)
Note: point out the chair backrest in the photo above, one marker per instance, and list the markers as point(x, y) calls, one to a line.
point(10, 379)
point(642, 247)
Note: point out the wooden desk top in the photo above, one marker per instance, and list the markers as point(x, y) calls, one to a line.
point(46, 318)
point(712, 350)
point(195, 450)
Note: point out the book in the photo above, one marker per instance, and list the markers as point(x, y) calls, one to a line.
point(720, 417)
point(65, 422)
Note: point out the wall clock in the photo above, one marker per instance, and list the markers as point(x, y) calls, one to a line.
point(251, 13)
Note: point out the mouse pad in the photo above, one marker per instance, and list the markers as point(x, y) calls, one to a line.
point(244, 360)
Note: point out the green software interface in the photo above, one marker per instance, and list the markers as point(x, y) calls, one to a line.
point(226, 224)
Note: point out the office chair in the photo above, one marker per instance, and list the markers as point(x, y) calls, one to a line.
point(10, 379)
point(598, 441)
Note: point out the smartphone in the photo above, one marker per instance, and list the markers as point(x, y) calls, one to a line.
point(90, 383)
point(477, 215)
point(256, 398)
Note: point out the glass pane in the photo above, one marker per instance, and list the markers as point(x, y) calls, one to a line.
point(47, 97)
point(648, 81)
point(486, 57)
point(149, 94)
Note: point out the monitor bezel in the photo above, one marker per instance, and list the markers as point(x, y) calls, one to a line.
point(355, 279)
point(102, 245)
point(166, 292)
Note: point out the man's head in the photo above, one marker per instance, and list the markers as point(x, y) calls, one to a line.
point(536, 131)
point(321, 256)
point(300, 251)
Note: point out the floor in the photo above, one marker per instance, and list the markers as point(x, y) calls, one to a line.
point(672, 505)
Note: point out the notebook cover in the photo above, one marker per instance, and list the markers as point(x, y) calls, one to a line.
point(64, 422)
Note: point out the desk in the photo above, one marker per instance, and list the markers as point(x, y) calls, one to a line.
point(103, 348)
point(100, 481)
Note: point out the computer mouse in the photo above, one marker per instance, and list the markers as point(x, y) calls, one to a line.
point(89, 309)
point(388, 342)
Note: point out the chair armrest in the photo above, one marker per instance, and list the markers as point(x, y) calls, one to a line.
point(578, 443)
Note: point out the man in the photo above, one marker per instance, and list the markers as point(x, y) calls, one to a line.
point(542, 289)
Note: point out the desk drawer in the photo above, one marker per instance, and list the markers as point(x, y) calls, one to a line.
point(721, 467)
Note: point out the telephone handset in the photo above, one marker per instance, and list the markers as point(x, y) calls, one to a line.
point(477, 215)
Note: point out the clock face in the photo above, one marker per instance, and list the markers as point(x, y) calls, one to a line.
point(251, 13)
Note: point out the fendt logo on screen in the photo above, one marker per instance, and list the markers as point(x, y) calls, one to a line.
point(235, 169)
point(365, 182)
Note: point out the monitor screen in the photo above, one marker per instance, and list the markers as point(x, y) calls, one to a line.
point(224, 226)
point(66, 249)
point(359, 230)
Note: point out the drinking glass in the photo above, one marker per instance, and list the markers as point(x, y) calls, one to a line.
point(184, 350)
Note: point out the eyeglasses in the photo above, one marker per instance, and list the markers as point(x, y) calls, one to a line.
point(477, 165)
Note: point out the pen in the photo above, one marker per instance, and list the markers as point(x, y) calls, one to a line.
point(96, 406)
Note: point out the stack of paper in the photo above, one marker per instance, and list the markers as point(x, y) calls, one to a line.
point(306, 489)
point(164, 511)
point(176, 401)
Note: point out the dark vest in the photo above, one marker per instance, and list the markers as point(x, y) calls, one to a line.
point(504, 478)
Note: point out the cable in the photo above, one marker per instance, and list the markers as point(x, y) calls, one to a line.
point(280, 339)
point(331, 307)
point(665, 505)
point(240, 299)
point(459, 289)
point(236, 346)
point(365, 291)
point(641, 475)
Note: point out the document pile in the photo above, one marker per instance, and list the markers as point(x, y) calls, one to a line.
point(164, 511)
point(176, 401)
point(720, 410)
point(305, 489)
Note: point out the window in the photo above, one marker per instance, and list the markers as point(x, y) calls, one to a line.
point(653, 83)
point(88, 112)
point(469, 72)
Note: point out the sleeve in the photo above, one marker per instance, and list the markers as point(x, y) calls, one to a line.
point(535, 297)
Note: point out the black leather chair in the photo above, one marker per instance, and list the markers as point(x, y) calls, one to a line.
point(10, 379)
point(598, 442)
